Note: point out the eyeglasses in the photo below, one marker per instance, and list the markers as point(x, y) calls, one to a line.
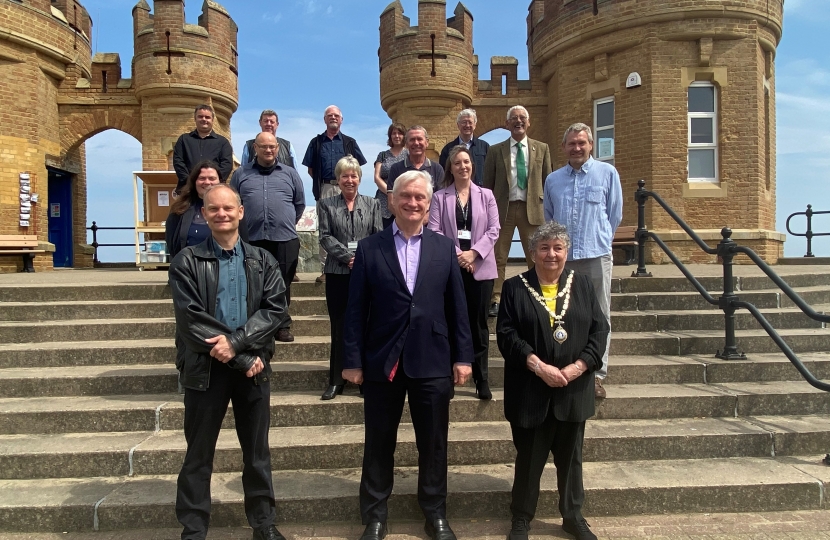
point(267, 147)
point(518, 118)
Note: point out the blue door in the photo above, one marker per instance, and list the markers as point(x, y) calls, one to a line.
point(60, 217)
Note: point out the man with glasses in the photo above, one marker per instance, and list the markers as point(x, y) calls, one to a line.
point(515, 170)
point(466, 122)
point(274, 201)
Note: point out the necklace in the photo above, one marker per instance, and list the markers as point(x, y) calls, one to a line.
point(559, 333)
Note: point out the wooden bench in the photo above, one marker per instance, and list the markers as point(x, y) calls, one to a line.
point(24, 245)
point(626, 239)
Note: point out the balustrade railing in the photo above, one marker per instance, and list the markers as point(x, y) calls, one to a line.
point(95, 244)
point(809, 234)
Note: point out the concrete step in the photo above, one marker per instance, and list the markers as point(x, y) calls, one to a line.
point(121, 329)
point(678, 300)
point(714, 284)
point(474, 443)
point(103, 380)
point(743, 484)
point(689, 320)
point(122, 309)
point(150, 412)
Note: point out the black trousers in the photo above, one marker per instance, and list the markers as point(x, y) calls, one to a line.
point(429, 406)
point(287, 255)
point(203, 415)
point(564, 440)
point(337, 297)
point(478, 304)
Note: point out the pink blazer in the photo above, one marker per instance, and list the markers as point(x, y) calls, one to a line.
point(485, 226)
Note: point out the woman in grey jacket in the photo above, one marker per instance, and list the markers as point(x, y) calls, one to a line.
point(344, 220)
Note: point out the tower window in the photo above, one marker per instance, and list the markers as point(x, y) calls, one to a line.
point(604, 130)
point(703, 132)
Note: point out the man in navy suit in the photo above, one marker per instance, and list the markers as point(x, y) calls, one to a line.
point(407, 332)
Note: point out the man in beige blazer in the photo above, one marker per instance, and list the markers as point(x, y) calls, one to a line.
point(516, 170)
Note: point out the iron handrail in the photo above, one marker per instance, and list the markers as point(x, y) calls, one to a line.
point(95, 244)
point(809, 234)
point(729, 302)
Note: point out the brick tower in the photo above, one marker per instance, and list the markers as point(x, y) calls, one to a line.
point(696, 120)
point(178, 66)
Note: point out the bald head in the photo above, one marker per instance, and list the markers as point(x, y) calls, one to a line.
point(266, 148)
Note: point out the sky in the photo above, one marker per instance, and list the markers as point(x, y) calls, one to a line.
point(298, 56)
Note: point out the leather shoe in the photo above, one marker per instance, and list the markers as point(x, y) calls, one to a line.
point(321, 278)
point(599, 391)
point(285, 335)
point(494, 310)
point(268, 533)
point(578, 528)
point(331, 391)
point(439, 529)
point(375, 530)
point(519, 529)
point(483, 390)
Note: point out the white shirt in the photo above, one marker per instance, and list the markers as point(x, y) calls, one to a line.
point(517, 194)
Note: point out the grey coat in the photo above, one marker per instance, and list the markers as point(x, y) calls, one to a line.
point(337, 228)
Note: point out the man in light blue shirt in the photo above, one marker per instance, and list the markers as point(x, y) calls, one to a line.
point(586, 196)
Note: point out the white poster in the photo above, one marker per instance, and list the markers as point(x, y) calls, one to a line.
point(605, 148)
point(164, 198)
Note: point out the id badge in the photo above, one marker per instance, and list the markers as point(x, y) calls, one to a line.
point(352, 246)
point(465, 235)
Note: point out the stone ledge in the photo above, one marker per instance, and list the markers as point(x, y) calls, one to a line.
point(714, 234)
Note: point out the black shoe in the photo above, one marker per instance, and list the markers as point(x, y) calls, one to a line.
point(519, 529)
point(578, 528)
point(268, 533)
point(375, 530)
point(284, 335)
point(331, 391)
point(483, 390)
point(439, 530)
point(494, 309)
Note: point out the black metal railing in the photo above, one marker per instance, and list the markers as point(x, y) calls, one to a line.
point(95, 244)
point(729, 302)
point(809, 234)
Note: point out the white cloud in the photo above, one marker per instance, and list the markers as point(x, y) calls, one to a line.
point(272, 18)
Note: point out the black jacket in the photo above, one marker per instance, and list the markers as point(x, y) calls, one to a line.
point(349, 145)
point(194, 277)
point(190, 149)
point(523, 327)
point(478, 149)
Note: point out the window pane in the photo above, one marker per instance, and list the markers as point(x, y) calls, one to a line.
point(702, 130)
point(701, 99)
point(605, 143)
point(605, 114)
point(702, 163)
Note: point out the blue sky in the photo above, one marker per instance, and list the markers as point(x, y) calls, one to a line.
point(298, 56)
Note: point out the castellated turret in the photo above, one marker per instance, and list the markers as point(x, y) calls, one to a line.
point(426, 71)
point(178, 66)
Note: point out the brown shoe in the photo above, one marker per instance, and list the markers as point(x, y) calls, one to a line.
point(296, 278)
point(599, 391)
point(321, 278)
point(285, 335)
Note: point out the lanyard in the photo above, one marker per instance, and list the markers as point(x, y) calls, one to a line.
point(464, 209)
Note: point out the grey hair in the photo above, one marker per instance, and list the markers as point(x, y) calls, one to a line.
point(416, 128)
point(411, 176)
point(550, 231)
point(465, 113)
point(221, 185)
point(578, 128)
point(517, 108)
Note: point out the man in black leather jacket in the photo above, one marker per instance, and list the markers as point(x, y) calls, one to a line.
point(229, 300)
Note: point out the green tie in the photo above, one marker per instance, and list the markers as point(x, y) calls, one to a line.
point(521, 167)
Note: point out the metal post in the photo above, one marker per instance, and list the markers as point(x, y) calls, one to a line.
point(725, 302)
point(94, 230)
point(809, 235)
point(642, 233)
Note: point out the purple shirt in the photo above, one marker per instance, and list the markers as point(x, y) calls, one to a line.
point(409, 255)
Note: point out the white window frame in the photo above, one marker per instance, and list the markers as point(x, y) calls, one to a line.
point(601, 101)
point(703, 146)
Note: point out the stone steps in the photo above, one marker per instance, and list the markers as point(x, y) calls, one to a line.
point(133, 378)
point(141, 453)
point(150, 412)
point(617, 488)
